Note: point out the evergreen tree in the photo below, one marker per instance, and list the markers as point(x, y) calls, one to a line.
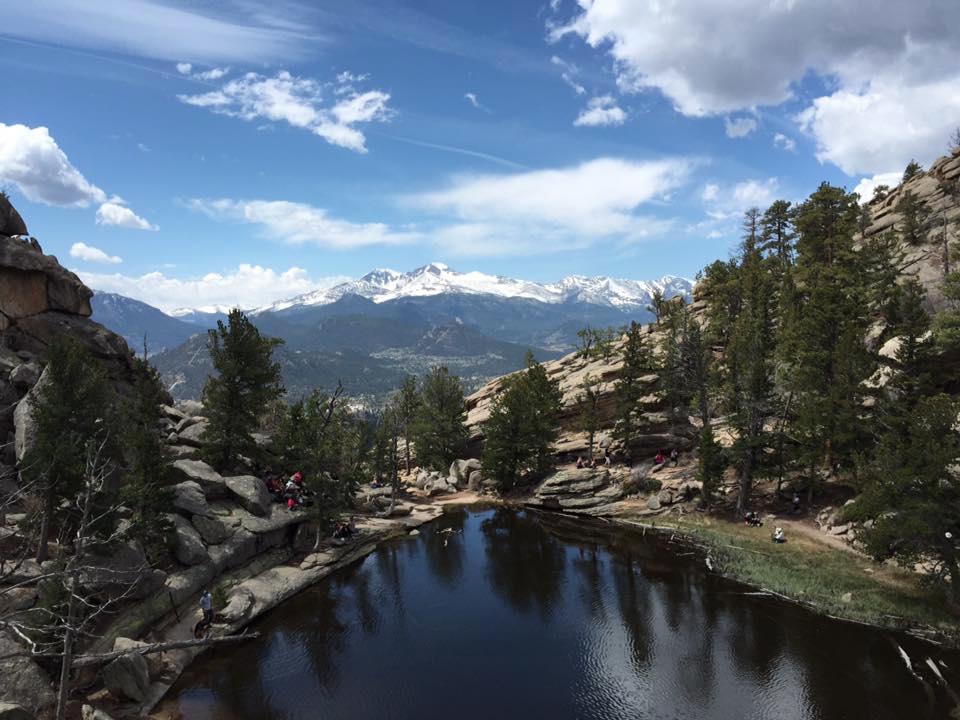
point(946, 330)
point(915, 218)
point(405, 410)
point(521, 429)
point(71, 408)
point(247, 380)
point(912, 493)
point(749, 358)
point(145, 491)
point(882, 261)
point(821, 350)
point(630, 387)
point(912, 170)
point(710, 465)
point(657, 304)
point(589, 409)
point(438, 429)
point(777, 232)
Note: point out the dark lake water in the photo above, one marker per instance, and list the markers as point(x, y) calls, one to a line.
point(521, 615)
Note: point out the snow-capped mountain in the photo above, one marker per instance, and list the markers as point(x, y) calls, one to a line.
point(383, 285)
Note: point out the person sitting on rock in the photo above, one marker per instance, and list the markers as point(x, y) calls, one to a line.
point(674, 457)
point(778, 536)
point(659, 459)
point(579, 462)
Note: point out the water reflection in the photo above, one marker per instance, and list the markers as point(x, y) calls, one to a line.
point(507, 614)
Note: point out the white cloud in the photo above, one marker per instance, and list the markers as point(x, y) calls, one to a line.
point(739, 127)
point(728, 202)
point(711, 191)
point(472, 99)
point(892, 66)
point(246, 286)
point(601, 111)
point(867, 185)
point(143, 147)
point(569, 71)
point(545, 210)
point(82, 251)
point(160, 30)
point(184, 68)
point(31, 160)
point(299, 102)
point(301, 224)
point(885, 124)
point(212, 74)
point(114, 212)
point(784, 143)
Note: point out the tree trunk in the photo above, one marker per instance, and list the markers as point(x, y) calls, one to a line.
point(406, 452)
point(42, 545)
point(63, 692)
point(746, 481)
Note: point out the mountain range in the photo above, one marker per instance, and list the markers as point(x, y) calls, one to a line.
point(368, 333)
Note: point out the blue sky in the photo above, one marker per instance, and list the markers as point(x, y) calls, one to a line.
point(207, 153)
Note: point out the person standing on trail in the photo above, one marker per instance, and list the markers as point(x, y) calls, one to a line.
point(796, 503)
point(206, 605)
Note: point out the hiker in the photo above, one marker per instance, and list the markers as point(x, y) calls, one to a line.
point(206, 605)
point(752, 519)
point(778, 536)
point(674, 457)
point(796, 503)
point(659, 459)
point(579, 462)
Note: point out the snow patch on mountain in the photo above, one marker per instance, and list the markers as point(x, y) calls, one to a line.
point(384, 285)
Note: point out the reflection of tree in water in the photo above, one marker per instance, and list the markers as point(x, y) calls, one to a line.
point(525, 565)
point(445, 550)
point(326, 637)
point(367, 614)
point(589, 567)
point(388, 566)
point(633, 594)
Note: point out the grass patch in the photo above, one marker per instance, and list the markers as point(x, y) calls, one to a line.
point(828, 579)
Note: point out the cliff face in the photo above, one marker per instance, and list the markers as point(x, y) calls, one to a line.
point(657, 429)
point(938, 192)
point(40, 301)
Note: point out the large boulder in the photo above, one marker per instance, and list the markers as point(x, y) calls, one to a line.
point(24, 682)
point(251, 493)
point(11, 224)
point(193, 435)
point(188, 547)
point(190, 408)
point(460, 471)
point(9, 711)
point(121, 568)
point(209, 480)
point(154, 660)
point(25, 375)
point(128, 676)
point(212, 529)
point(188, 498)
point(24, 422)
point(473, 482)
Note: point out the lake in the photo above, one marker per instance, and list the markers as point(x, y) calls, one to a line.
point(501, 613)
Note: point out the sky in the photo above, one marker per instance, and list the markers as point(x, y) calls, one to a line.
point(191, 154)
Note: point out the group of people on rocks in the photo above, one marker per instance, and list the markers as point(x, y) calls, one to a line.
point(594, 461)
point(661, 459)
point(291, 493)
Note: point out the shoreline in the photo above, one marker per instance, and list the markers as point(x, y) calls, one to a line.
point(283, 580)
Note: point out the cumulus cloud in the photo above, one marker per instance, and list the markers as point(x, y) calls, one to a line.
point(882, 60)
point(81, 251)
point(31, 160)
point(784, 143)
point(730, 201)
point(545, 210)
point(212, 74)
point(246, 286)
point(301, 224)
point(472, 99)
point(867, 185)
point(601, 111)
point(184, 68)
point(299, 102)
point(115, 212)
point(739, 127)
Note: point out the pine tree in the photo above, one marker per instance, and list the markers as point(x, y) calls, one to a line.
point(777, 232)
point(71, 407)
point(821, 350)
point(912, 170)
point(749, 358)
point(145, 491)
point(247, 379)
point(588, 404)
point(522, 427)
point(915, 217)
point(438, 429)
point(406, 406)
point(630, 387)
point(912, 493)
point(710, 465)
